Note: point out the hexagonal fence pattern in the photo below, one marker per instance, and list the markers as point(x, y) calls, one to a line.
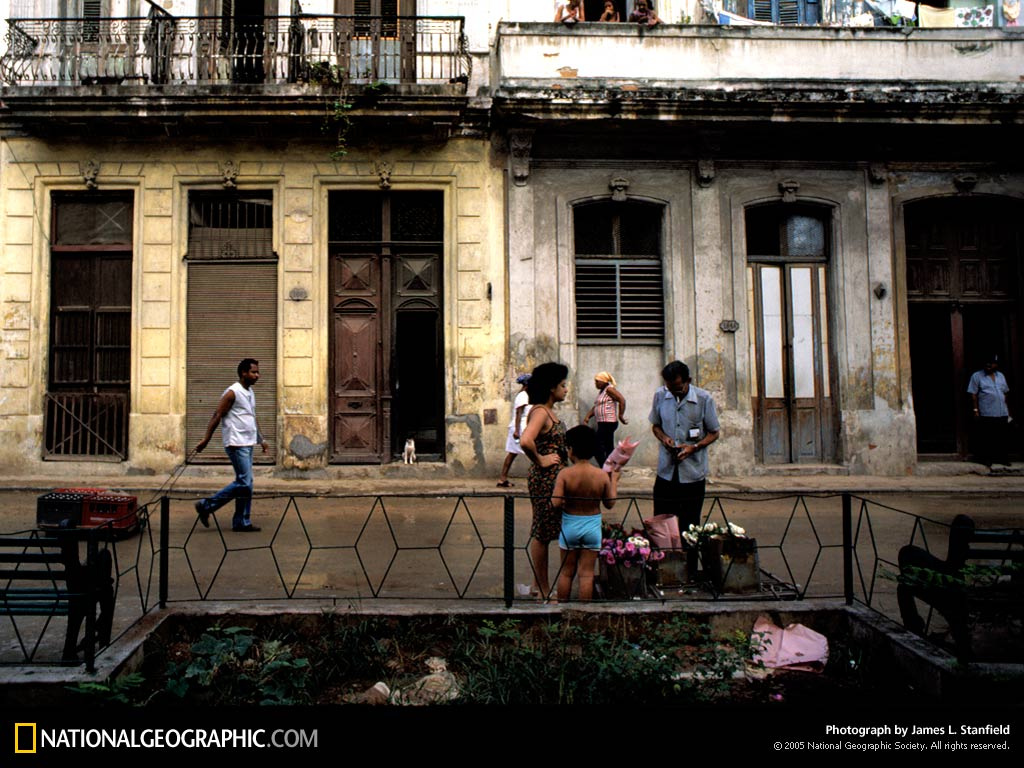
point(344, 549)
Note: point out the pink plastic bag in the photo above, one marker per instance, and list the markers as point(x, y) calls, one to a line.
point(622, 453)
point(663, 531)
point(796, 647)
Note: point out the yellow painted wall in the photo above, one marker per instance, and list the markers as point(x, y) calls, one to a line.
point(161, 174)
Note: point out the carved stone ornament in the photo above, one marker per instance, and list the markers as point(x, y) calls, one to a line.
point(705, 172)
point(90, 170)
point(729, 326)
point(230, 173)
point(383, 170)
point(520, 144)
point(618, 186)
point(965, 183)
point(877, 174)
point(789, 189)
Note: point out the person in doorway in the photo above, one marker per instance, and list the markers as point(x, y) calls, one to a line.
point(580, 490)
point(609, 13)
point(520, 411)
point(543, 442)
point(685, 422)
point(236, 412)
point(644, 14)
point(988, 390)
point(608, 410)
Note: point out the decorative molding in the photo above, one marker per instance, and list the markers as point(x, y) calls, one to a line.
point(705, 171)
point(729, 326)
point(879, 290)
point(383, 170)
point(520, 145)
point(789, 190)
point(90, 170)
point(230, 173)
point(878, 174)
point(618, 186)
point(965, 183)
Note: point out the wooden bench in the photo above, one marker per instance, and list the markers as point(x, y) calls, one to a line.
point(983, 573)
point(40, 575)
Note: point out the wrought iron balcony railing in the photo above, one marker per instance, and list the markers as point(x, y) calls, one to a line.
point(166, 50)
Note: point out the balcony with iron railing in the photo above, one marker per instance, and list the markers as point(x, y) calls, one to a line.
point(278, 50)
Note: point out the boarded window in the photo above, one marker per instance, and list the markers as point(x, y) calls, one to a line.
point(619, 284)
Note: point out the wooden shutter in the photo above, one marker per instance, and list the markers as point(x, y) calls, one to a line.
point(232, 314)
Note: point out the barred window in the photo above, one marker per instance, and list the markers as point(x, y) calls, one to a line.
point(619, 288)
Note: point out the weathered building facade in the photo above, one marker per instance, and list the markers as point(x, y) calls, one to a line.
point(397, 206)
point(822, 222)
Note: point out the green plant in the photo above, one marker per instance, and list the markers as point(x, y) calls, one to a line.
point(230, 666)
point(119, 690)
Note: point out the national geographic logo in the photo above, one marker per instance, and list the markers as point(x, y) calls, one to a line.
point(24, 738)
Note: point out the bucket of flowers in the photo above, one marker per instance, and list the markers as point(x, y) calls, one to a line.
point(625, 561)
point(728, 556)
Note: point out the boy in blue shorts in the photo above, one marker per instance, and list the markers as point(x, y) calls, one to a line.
point(580, 490)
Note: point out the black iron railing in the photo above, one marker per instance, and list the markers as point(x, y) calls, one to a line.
point(165, 50)
point(342, 550)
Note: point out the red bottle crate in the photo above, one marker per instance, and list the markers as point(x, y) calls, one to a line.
point(117, 510)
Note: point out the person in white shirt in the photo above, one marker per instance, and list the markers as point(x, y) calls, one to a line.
point(240, 433)
point(520, 410)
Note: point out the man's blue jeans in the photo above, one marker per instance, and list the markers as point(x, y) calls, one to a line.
point(240, 490)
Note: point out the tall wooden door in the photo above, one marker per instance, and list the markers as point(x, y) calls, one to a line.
point(791, 387)
point(964, 276)
point(387, 355)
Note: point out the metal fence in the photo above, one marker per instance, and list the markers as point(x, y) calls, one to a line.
point(341, 550)
point(162, 49)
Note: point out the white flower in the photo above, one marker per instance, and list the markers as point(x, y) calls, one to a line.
point(710, 528)
point(690, 538)
point(735, 530)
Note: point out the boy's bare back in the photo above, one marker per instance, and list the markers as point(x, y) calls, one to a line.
point(583, 487)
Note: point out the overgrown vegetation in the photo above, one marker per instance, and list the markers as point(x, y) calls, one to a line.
point(576, 660)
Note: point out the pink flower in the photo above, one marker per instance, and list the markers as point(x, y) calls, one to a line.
point(610, 558)
point(630, 547)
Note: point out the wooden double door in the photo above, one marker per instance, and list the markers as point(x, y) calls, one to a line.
point(964, 276)
point(387, 350)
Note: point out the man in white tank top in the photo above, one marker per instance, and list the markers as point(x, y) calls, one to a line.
point(236, 413)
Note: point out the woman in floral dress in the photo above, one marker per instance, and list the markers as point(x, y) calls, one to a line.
point(543, 442)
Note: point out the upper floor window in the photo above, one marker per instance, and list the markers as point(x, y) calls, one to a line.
point(785, 11)
point(619, 286)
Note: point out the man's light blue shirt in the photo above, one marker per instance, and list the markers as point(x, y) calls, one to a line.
point(695, 411)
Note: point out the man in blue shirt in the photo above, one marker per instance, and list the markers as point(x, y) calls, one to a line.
point(988, 390)
point(684, 421)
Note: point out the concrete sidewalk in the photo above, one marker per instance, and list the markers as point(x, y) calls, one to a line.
point(397, 478)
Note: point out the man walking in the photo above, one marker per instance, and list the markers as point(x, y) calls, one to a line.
point(684, 421)
point(240, 432)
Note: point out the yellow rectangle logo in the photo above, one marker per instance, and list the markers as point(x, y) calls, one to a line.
point(21, 729)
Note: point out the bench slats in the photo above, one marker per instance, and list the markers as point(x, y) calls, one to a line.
point(31, 557)
point(26, 574)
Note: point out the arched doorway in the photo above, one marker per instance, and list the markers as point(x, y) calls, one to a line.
point(964, 298)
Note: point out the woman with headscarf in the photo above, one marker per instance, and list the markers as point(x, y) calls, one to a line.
point(543, 442)
point(609, 409)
